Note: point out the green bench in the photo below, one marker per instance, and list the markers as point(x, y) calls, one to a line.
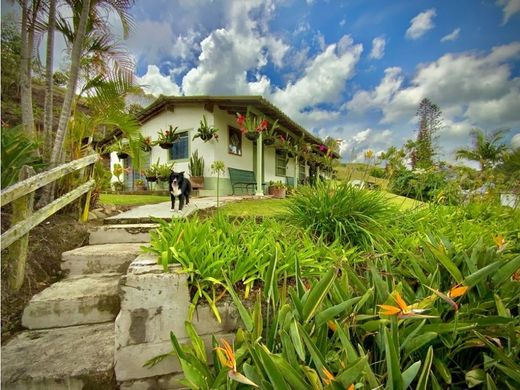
point(242, 179)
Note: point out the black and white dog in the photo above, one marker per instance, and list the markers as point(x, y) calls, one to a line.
point(179, 187)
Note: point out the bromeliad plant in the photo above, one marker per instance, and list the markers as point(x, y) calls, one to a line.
point(206, 132)
point(165, 139)
point(252, 125)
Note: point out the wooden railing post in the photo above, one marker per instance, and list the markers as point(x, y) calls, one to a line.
point(90, 172)
point(17, 252)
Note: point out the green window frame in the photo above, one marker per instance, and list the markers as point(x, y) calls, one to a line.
point(280, 163)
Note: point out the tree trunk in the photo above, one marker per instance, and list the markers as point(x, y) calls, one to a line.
point(48, 110)
point(27, 39)
point(75, 57)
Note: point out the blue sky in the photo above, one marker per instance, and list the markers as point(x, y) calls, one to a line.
point(354, 70)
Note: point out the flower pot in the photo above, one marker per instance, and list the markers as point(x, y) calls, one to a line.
point(268, 141)
point(146, 148)
point(197, 182)
point(122, 155)
point(278, 193)
point(166, 145)
point(206, 137)
point(151, 179)
point(252, 135)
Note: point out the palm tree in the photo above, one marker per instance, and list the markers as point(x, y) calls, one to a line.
point(487, 149)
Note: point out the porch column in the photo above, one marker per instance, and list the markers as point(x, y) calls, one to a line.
point(296, 170)
point(259, 151)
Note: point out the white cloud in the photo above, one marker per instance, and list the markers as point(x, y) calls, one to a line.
point(155, 83)
point(378, 48)
point(420, 24)
point(323, 81)
point(509, 8)
point(451, 36)
point(515, 141)
point(380, 96)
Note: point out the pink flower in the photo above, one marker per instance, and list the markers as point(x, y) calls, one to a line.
point(323, 148)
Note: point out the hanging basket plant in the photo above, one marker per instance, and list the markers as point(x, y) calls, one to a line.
point(251, 126)
point(206, 132)
point(269, 141)
point(252, 136)
point(166, 138)
point(145, 143)
point(122, 155)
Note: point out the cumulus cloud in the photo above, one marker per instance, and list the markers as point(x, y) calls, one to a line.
point(378, 48)
point(509, 8)
point(380, 96)
point(155, 83)
point(451, 36)
point(353, 148)
point(323, 81)
point(420, 24)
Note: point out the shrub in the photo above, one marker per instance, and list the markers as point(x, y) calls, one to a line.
point(343, 212)
point(377, 172)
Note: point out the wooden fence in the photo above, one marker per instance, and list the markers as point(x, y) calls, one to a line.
point(25, 218)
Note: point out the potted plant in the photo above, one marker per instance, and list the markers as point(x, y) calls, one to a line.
point(196, 167)
point(277, 189)
point(287, 144)
point(151, 174)
point(269, 135)
point(121, 148)
point(251, 125)
point(145, 143)
point(205, 132)
point(167, 138)
point(164, 171)
point(139, 185)
point(118, 171)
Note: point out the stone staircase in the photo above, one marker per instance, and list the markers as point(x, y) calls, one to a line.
point(70, 339)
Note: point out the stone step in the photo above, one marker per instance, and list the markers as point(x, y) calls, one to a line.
point(73, 358)
point(121, 233)
point(100, 258)
point(76, 300)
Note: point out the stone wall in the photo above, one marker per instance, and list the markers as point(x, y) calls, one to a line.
point(153, 304)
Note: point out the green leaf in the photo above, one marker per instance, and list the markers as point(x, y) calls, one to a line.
point(318, 294)
point(440, 255)
point(422, 384)
point(296, 339)
point(481, 274)
point(244, 313)
point(420, 341)
point(490, 385)
point(275, 375)
point(292, 375)
point(475, 377)
point(443, 370)
point(352, 373)
point(332, 312)
point(506, 270)
point(410, 373)
point(395, 380)
point(316, 355)
point(196, 341)
point(270, 276)
point(164, 260)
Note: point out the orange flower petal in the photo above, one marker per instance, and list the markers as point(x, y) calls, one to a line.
point(400, 301)
point(351, 387)
point(457, 291)
point(328, 376)
point(389, 310)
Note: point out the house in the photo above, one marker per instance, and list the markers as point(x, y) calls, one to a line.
point(236, 151)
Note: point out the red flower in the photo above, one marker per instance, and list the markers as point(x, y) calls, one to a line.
point(323, 148)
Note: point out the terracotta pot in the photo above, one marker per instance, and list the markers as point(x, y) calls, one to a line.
point(276, 192)
point(197, 182)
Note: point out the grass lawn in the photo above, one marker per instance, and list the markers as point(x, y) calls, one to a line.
point(402, 202)
point(357, 171)
point(131, 200)
point(256, 207)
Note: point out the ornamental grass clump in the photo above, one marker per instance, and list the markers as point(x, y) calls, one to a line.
point(343, 213)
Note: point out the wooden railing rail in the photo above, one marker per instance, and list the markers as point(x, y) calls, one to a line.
point(24, 218)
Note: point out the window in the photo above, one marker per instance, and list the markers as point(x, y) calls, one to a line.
point(301, 171)
point(180, 148)
point(281, 163)
point(235, 141)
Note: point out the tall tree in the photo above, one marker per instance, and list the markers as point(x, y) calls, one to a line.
point(75, 59)
point(29, 12)
point(430, 122)
point(487, 149)
point(49, 81)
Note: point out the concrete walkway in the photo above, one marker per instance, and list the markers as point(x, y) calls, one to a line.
point(163, 211)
